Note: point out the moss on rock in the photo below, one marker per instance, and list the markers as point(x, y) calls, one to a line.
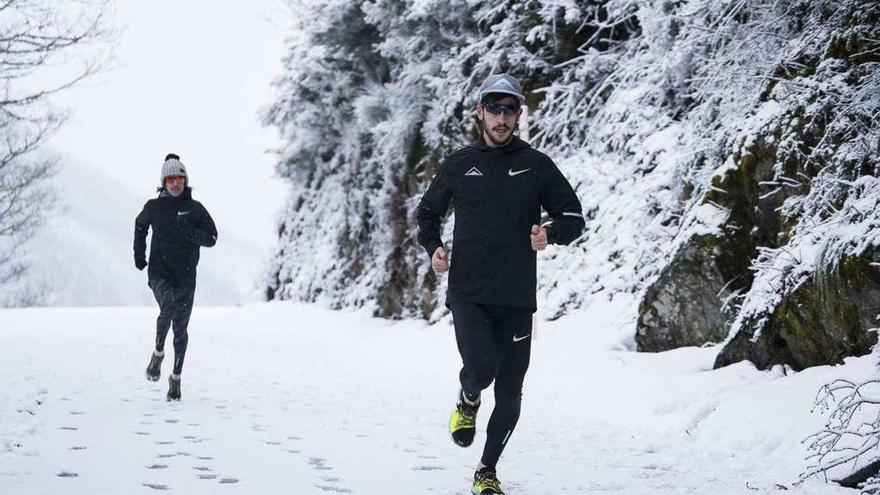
point(829, 317)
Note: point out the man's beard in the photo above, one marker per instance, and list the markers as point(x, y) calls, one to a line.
point(502, 128)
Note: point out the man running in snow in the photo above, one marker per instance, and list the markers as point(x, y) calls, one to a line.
point(181, 225)
point(498, 186)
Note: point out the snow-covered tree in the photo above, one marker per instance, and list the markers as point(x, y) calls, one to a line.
point(400, 78)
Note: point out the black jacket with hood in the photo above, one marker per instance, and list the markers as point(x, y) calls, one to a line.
point(180, 226)
point(497, 195)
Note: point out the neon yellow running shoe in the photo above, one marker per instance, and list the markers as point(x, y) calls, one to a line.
point(486, 483)
point(463, 422)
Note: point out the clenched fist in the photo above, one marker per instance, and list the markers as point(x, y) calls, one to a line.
point(439, 262)
point(539, 238)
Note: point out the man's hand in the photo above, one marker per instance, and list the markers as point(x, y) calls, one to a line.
point(439, 261)
point(539, 238)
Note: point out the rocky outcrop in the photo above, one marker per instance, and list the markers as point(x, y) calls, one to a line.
point(789, 184)
point(831, 316)
point(682, 308)
point(686, 306)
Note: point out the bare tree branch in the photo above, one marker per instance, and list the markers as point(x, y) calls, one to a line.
point(34, 36)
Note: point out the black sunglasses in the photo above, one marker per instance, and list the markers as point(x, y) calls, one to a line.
point(496, 108)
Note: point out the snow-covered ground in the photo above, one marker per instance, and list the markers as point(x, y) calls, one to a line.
point(293, 399)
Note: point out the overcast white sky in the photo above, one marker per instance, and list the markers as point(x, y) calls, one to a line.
point(189, 77)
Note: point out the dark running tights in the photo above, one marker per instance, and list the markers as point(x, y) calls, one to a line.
point(495, 344)
point(175, 307)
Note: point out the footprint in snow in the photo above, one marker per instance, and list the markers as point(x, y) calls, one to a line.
point(319, 464)
point(67, 474)
point(158, 466)
point(428, 468)
point(334, 489)
point(155, 486)
point(228, 481)
point(69, 428)
point(78, 447)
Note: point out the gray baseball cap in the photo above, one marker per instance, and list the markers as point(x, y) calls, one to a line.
point(501, 83)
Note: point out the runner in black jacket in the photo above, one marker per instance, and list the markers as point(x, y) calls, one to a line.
point(498, 186)
point(181, 225)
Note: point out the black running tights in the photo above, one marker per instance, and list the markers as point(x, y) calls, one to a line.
point(495, 345)
point(175, 306)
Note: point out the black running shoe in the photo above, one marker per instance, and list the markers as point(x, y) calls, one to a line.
point(486, 483)
point(154, 369)
point(173, 389)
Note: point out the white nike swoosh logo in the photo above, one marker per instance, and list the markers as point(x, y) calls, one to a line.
point(512, 173)
point(517, 339)
point(182, 213)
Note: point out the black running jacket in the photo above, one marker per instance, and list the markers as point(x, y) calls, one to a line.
point(497, 195)
point(180, 226)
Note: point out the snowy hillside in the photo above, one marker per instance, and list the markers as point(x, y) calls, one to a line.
point(84, 255)
point(725, 152)
point(285, 398)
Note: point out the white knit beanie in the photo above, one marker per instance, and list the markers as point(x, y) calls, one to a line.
point(173, 167)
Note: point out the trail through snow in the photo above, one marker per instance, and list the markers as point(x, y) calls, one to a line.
point(293, 399)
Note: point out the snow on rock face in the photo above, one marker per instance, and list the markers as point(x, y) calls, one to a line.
point(823, 305)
